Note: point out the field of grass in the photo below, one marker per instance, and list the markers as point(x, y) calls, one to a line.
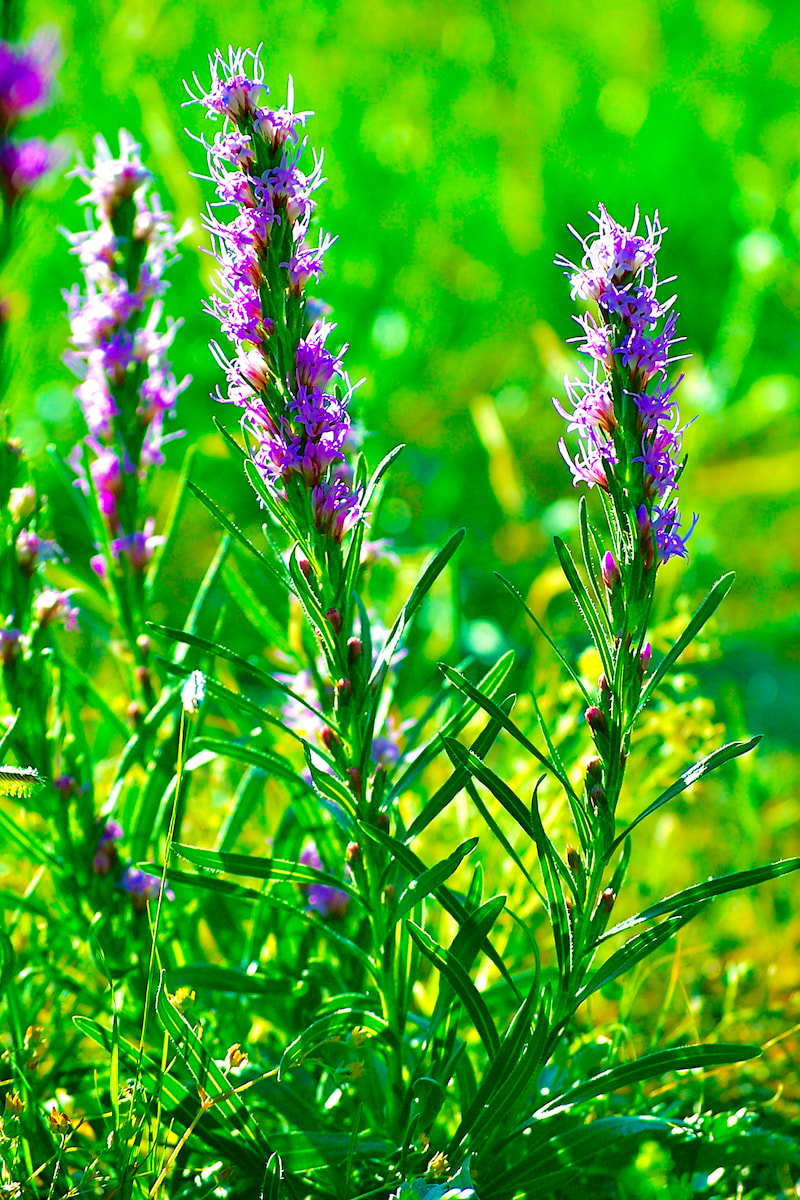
point(460, 142)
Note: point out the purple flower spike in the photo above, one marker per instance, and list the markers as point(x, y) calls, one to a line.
point(26, 82)
point(121, 344)
point(623, 410)
point(293, 391)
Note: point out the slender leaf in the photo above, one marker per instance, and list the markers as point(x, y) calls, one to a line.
point(709, 606)
point(429, 575)
point(248, 866)
point(690, 776)
point(430, 879)
point(585, 605)
point(449, 966)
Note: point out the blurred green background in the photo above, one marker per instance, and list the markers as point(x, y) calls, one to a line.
point(460, 140)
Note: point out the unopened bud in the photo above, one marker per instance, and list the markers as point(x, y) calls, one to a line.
point(343, 688)
point(142, 675)
point(573, 860)
point(388, 893)
point(334, 619)
point(354, 649)
point(645, 654)
point(383, 821)
point(597, 797)
point(646, 544)
point(596, 721)
point(329, 738)
point(144, 643)
point(21, 502)
point(352, 854)
point(305, 567)
point(135, 712)
point(609, 570)
point(355, 779)
point(607, 900)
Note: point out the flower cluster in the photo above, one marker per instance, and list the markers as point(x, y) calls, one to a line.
point(623, 409)
point(323, 898)
point(127, 387)
point(293, 390)
point(26, 81)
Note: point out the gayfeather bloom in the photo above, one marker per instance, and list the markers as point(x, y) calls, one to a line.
point(121, 344)
point(292, 389)
point(622, 408)
point(26, 81)
point(323, 898)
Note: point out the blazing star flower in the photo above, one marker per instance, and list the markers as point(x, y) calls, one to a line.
point(26, 82)
point(623, 409)
point(51, 606)
point(293, 391)
point(323, 898)
point(127, 388)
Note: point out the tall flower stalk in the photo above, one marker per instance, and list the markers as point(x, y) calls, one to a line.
point(127, 391)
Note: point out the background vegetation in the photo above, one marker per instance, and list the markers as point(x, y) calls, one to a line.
point(460, 140)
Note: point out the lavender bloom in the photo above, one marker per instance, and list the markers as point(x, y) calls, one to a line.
point(623, 409)
point(142, 887)
point(127, 388)
point(26, 81)
point(107, 853)
point(324, 899)
point(51, 606)
point(293, 391)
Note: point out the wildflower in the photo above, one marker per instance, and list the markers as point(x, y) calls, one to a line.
point(51, 606)
point(33, 550)
point(292, 389)
point(107, 854)
point(323, 898)
point(623, 410)
point(142, 887)
point(26, 81)
point(120, 345)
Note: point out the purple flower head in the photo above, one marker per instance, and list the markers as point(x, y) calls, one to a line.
point(121, 343)
point(295, 412)
point(26, 77)
point(142, 887)
point(33, 550)
point(23, 164)
point(623, 410)
point(323, 898)
point(51, 606)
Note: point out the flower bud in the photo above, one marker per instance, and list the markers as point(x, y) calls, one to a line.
point(609, 570)
point(573, 860)
point(607, 900)
point(352, 854)
point(355, 779)
point(354, 649)
point(329, 738)
point(343, 689)
point(21, 502)
point(596, 721)
point(334, 619)
point(645, 654)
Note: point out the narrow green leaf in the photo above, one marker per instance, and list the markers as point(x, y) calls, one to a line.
point(272, 764)
point(170, 525)
point(707, 890)
point(379, 472)
point(328, 1027)
point(209, 1076)
point(576, 679)
point(236, 533)
point(634, 950)
point(500, 790)
point(494, 710)
point(709, 606)
point(690, 776)
point(585, 605)
point(649, 1066)
point(248, 866)
point(209, 977)
point(449, 966)
point(430, 574)
point(589, 566)
point(430, 879)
